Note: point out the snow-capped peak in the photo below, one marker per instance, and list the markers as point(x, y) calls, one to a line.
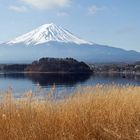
point(47, 33)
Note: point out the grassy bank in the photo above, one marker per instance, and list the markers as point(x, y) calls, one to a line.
point(101, 113)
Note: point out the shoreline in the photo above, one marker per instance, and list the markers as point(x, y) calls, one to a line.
point(34, 72)
point(92, 73)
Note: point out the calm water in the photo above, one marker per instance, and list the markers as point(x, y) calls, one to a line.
point(21, 83)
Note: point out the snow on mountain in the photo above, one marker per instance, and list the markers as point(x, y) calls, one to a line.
point(47, 33)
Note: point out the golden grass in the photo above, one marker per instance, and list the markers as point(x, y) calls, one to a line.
point(92, 113)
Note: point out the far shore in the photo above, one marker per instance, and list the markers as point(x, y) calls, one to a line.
point(96, 73)
point(33, 72)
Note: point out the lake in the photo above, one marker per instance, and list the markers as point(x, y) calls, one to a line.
point(64, 83)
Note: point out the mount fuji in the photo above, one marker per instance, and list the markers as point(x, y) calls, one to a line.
point(47, 33)
point(50, 40)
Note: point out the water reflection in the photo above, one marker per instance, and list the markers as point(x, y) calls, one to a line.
point(13, 75)
point(58, 79)
point(121, 76)
point(21, 82)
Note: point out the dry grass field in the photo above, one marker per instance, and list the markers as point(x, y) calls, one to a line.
point(91, 113)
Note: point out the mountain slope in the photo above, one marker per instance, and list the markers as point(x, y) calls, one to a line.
point(51, 40)
point(47, 33)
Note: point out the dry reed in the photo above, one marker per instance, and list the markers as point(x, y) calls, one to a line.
point(92, 113)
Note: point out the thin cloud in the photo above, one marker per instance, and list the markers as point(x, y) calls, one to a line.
point(20, 9)
point(62, 14)
point(47, 4)
point(126, 30)
point(94, 9)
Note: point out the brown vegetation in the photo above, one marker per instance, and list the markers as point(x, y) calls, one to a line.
point(92, 113)
point(58, 65)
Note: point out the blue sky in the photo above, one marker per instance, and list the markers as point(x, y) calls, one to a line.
point(109, 22)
